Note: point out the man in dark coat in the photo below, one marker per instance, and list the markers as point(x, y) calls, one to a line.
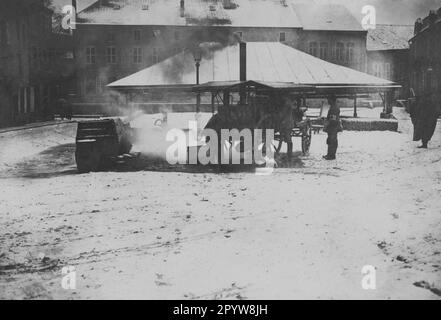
point(427, 118)
point(332, 128)
point(61, 106)
point(286, 122)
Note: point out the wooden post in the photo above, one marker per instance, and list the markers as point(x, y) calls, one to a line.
point(383, 98)
point(213, 96)
point(355, 107)
point(198, 103)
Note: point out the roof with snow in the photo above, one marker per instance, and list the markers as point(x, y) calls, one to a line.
point(389, 37)
point(267, 62)
point(332, 17)
point(236, 13)
point(240, 13)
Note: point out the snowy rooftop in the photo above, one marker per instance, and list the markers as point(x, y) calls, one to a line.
point(237, 13)
point(332, 17)
point(389, 37)
point(265, 13)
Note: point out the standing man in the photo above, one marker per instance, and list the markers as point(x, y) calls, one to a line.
point(287, 122)
point(61, 106)
point(332, 128)
point(428, 117)
point(69, 107)
point(413, 112)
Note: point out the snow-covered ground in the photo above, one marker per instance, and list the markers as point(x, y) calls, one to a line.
point(153, 231)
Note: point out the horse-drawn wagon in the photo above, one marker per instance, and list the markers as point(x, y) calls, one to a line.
point(258, 105)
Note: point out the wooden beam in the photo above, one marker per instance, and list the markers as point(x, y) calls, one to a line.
point(355, 107)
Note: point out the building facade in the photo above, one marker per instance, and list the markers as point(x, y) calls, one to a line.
point(425, 55)
point(33, 62)
point(388, 55)
point(114, 39)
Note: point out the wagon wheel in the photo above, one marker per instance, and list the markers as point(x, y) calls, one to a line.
point(306, 138)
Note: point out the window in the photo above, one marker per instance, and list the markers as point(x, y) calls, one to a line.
point(324, 50)
point(313, 49)
point(110, 36)
point(23, 31)
point(376, 69)
point(90, 55)
point(177, 50)
point(282, 36)
point(51, 54)
point(100, 84)
point(4, 33)
point(137, 55)
point(387, 71)
point(239, 35)
point(48, 24)
point(34, 54)
point(339, 52)
point(91, 86)
point(137, 35)
point(111, 55)
point(155, 56)
point(20, 65)
point(350, 51)
point(18, 30)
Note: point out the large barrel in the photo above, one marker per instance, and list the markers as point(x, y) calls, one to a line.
point(98, 142)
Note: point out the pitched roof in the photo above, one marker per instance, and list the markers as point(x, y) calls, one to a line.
point(248, 13)
point(314, 16)
point(266, 62)
point(389, 37)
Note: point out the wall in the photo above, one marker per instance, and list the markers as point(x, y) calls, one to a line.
point(357, 60)
point(391, 65)
point(30, 66)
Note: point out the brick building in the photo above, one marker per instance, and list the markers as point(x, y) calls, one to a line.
point(425, 55)
point(33, 62)
point(115, 38)
point(388, 54)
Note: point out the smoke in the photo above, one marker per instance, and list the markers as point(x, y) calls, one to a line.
point(204, 41)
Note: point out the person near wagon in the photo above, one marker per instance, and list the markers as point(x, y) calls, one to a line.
point(332, 127)
point(287, 122)
point(427, 118)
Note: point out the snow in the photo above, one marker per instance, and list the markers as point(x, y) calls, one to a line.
point(304, 232)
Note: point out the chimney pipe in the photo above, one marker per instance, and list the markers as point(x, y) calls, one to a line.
point(243, 61)
point(182, 8)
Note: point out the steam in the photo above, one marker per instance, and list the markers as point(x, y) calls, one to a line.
point(205, 41)
point(150, 140)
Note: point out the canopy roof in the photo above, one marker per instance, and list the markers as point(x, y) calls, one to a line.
point(232, 86)
point(267, 62)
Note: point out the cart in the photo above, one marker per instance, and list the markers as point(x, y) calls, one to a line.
point(259, 105)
